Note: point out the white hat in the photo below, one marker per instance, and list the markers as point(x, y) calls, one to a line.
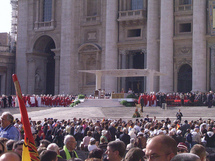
point(92, 139)
point(139, 133)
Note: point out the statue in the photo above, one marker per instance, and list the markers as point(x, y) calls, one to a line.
point(37, 80)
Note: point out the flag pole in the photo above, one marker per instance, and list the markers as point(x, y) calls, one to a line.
point(29, 148)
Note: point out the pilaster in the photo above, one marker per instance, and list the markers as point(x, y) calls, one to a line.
point(57, 69)
point(22, 43)
point(152, 44)
point(67, 41)
point(111, 35)
point(199, 46)
point(166, 46)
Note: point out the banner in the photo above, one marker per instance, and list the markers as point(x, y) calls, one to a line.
point(29, 149)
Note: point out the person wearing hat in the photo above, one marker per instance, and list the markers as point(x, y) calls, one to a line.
point(92, 145)
point(182, 148)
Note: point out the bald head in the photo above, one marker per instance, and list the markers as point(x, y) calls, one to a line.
point(161, 147)
point(10, 156)
point(186, 157)
point(53, 147)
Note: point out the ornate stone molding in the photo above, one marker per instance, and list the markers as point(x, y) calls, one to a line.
point(184, 51)
point(30, 60)
point(130, 23)
point(212, 46)
point(181, 62)
point(89, 47)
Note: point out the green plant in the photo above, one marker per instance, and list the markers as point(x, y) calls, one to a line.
point(123, 102)
point(127, 104)
point(72, 104)
point(81, 96)
point(77, 102)
point(132, 96)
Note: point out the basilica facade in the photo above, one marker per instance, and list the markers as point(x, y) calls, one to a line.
point(58, 38)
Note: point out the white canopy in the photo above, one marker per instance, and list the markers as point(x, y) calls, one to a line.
point(124, 73)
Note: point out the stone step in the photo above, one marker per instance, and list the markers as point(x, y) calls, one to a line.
point(100, 103)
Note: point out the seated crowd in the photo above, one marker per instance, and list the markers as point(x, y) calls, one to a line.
point(113, 140)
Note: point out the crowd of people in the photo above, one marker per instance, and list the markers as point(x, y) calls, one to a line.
point(38, 100)
point(112, 139)
point(145, 99)
point(177, 99)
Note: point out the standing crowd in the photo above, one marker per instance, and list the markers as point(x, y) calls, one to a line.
point(177, 99)
point(111, 139)
point(38, 100)
point(145, 99)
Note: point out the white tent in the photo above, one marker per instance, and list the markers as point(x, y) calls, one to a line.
point(125, 73)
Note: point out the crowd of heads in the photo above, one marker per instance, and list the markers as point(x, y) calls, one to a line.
point(114, 139)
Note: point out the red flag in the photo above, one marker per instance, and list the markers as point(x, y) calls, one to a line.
point(29, 149)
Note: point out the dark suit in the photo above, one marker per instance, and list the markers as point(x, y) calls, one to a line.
point(125, 138)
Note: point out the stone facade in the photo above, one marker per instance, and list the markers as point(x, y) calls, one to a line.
point(56, 39)
point(7, 65)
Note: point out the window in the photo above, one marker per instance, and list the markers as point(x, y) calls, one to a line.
point(136, 4)
point(184, 2)
point(47, 10)
point(185, 27)
point(92, 7)
point(134, 33)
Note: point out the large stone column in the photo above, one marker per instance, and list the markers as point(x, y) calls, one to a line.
point(22, 43)
point(199, 46)
point(212, 68)
point(57, 70)
point(111, 52)
point(152, 44)
point(67, 47)
point(31, 75)
point(166, 46)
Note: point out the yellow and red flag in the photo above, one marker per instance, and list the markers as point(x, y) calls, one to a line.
point(29, 149)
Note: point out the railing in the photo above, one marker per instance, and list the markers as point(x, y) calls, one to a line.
point(187, 7)
point(91, 20)
point(44, 24)
point(132, 14)
point(49, 25)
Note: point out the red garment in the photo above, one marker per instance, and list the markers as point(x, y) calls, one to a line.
point(149, 99)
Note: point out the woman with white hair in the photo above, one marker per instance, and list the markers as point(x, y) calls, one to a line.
point(104, 133)
point(92, 145)
point(131, 144)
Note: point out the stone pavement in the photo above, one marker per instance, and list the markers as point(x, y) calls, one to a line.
point(94, 111)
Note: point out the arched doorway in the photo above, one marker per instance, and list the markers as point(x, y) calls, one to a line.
point(185, 78)
point(43, 46)
point(89, 59)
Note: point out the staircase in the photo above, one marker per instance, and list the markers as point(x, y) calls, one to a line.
point(100, 103)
